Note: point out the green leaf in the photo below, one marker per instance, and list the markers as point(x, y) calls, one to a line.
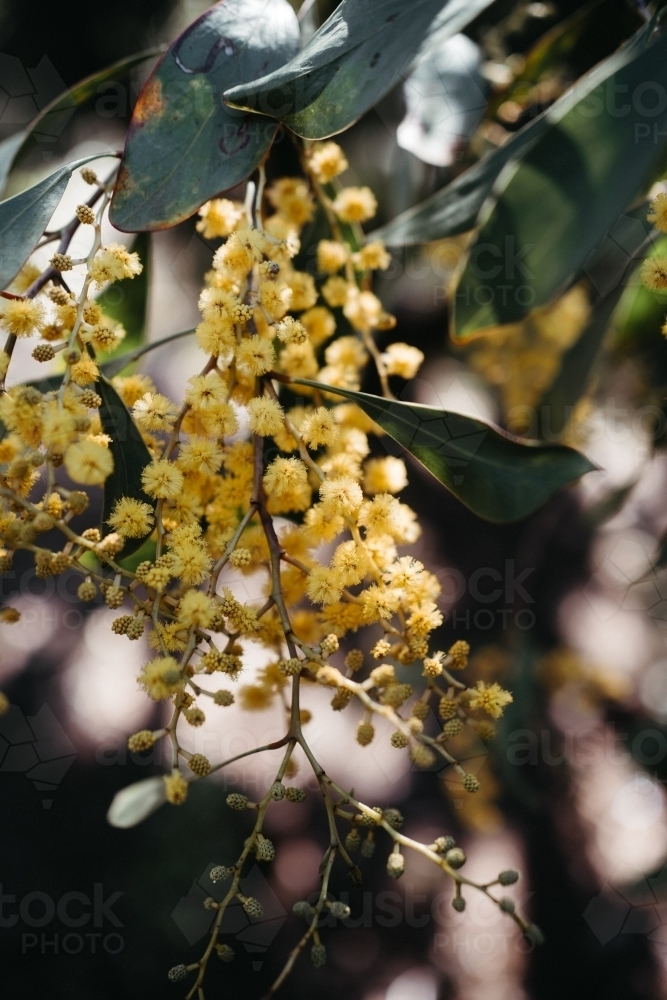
point(127, 302)
point(130, 456)
point(608, 270)
point(555, 206)
point(356, 57)
point(456, 207)
point(51, 120)
point(496, 475)
point(145, 553)
point(608, 506)
point(8, 150)
point(570, 383)
point(24, 218)
point(661, 558)
point(184, 145)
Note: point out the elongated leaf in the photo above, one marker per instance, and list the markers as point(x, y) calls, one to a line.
point(556, 405)
point(53, 118)
point(8, 149)
point(555, 206)
point(496, 475)
point(661, 558)
point(608, 269)
point(130, 456)
point(134, 804)
point(355, 58)
point(456, 207)
point(184, 145)
point(24, 218)
point(608, 506)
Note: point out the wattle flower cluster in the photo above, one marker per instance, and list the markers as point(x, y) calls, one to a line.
point(253, 469)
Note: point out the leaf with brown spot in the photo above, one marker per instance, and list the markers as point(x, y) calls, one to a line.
point(184, 145)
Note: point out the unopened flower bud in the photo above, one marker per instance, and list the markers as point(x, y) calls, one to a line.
point(394, 818)
point(219, 873)
point(533, 935)
point(452, 729)
point(253, 907)
point(43, 352)
point(86, 591)
point(199, 765)
point(143, 740)
point(303, 910)
point(368, 847)
point(455, 857)
point(471, 783)
point(264, 850)
point(329, 644)
point(508, 877)
point(318, 955)
point(353, 840)
point(365, 733)
point(85, 215)
point(61, 262)
point(395, 865)
point(178, 973)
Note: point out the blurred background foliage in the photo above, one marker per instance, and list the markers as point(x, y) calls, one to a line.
point(573, 784)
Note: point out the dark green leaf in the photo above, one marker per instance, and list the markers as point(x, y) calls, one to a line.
point(24, 218)
point(8, 150)
point(556, 405)
point(127, 302)
point(608, 506)
point(661, 558)
point(456, 207)
point(184, 145)
point(145, 553)
point(555, 206)
point(52, 119)
point(496, 475)
point(130, 456)
point(355, 58)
